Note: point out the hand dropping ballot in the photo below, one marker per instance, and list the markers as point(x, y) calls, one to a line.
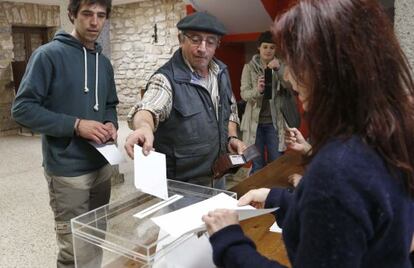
point(150, 177)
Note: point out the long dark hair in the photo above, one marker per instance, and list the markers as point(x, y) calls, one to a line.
point(346, 54)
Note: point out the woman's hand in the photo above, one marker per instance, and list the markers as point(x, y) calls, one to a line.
point(255, 198)
point(274, 64)
point(220, 218)
point(260, 84)
point(295, 141)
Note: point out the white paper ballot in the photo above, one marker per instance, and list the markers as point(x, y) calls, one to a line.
point(245, 214)
point(275, 228)
point(150, 173)
point(188, 219)
point(110, 152)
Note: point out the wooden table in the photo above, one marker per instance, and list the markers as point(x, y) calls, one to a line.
point(274, 174)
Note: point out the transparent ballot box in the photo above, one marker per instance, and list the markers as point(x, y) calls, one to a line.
point(111, 236)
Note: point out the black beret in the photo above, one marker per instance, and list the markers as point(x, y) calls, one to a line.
point(203, 22)
point(265, 37)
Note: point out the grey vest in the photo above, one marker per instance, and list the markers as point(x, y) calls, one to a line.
point(192, 137)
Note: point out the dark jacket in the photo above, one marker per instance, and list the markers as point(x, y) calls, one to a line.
point(52, 95)
point(192, 137)
point(348, 211)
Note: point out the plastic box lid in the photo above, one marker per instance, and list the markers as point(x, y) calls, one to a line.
point(113, 227)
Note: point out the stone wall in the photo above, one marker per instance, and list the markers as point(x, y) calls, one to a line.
point(22, 15)
point(134, 53)
point(404, 27)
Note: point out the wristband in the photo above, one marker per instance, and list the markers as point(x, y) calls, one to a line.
point(231, 137)
point(77, 126)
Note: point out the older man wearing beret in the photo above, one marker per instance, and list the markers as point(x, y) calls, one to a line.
point(188, 111)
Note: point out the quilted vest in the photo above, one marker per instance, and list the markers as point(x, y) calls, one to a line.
point(193, 137)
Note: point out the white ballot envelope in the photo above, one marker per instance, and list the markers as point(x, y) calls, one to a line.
point(188, 219)
point(150, 173)
point(110, 152)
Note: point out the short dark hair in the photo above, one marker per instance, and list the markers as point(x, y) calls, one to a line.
point(358, 79)
point(74, 6)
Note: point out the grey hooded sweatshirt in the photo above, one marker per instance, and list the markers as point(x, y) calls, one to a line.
point(64, 81)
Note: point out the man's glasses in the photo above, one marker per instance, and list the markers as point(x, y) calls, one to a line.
point(196, 40)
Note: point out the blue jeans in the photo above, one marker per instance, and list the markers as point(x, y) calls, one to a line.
point(266, 136)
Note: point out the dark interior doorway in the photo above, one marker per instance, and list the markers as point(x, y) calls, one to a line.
point(25, 41)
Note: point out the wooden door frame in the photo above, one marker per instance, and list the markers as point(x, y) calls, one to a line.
point(18, 67)
point(27, 31)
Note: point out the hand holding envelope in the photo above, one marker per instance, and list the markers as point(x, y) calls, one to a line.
point(221, 218)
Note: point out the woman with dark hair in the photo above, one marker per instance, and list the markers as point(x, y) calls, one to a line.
point(354, 206)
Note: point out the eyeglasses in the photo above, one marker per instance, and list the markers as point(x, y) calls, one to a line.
point(196, 40)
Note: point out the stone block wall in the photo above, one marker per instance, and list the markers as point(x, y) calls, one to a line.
point(404, 27)
point(134, 53)
point(21, 14)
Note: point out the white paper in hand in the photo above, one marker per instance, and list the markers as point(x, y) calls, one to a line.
point(188, 219)
point(150, 173)
point(110, 152)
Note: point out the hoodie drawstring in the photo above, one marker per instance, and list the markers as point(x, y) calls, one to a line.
point(96, 107)
point(86, 89)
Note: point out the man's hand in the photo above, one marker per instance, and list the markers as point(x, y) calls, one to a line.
point(255, 198)
point(220, 218)
point(236, 146)
point(142, 136)
point(112, 130)
point(94, 131)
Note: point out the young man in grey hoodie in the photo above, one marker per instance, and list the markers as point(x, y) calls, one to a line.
point(68, 95)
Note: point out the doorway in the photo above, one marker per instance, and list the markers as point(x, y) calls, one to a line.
point(25, 41)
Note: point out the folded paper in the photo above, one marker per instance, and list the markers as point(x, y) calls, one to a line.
point(188, 219)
